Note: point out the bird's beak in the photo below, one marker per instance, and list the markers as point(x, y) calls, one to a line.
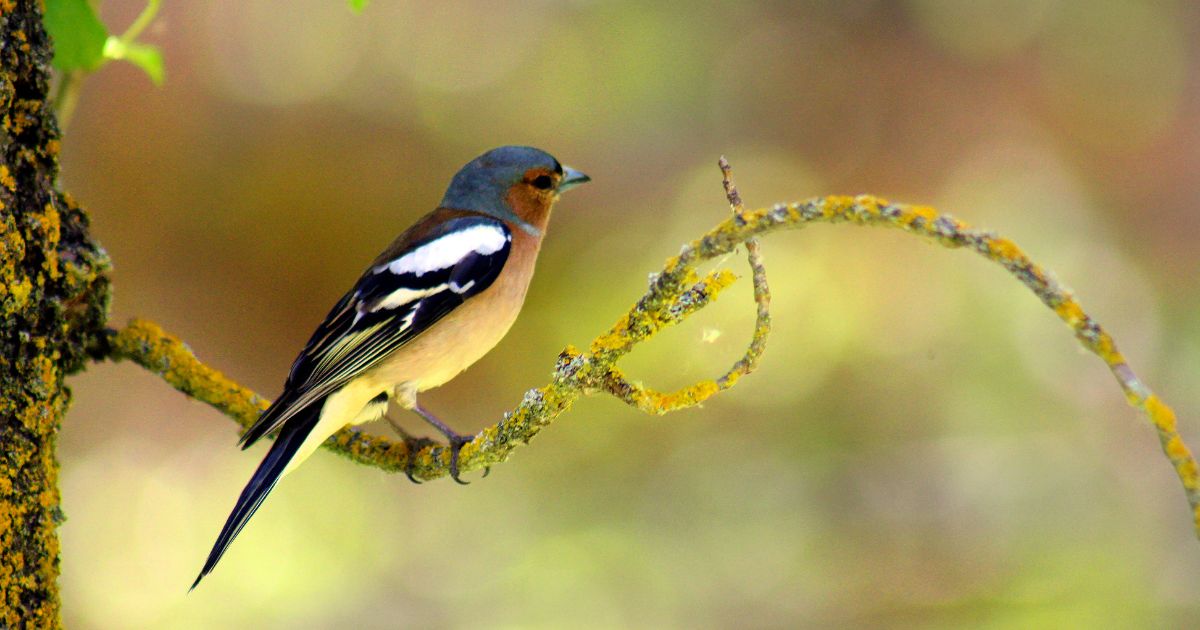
point(571, 178)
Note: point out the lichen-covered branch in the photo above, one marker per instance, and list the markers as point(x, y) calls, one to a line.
point(163, 354)
point(53, 302)
point(673, 293)
point(655, 402)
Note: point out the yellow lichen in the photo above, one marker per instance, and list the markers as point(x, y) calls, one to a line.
point(656, 403)
point(1162, 415)
point(19, 292)
point(174, 361)
point(6, 179)
point(924, 213)
point(1070, 312)
point(1108, 352)
point(1005, 251)
point(51, 229)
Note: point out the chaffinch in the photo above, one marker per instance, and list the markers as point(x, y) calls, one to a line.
point(434, 302)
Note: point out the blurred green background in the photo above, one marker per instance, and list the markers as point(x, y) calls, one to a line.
point(924, 446)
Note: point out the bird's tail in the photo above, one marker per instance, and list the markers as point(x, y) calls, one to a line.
point(291, 435)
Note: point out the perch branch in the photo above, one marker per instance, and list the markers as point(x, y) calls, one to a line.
point(577, 372)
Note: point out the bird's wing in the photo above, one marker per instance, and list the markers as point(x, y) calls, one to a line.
point(397, 298)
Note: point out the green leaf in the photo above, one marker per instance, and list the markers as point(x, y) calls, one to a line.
point(148, 58)
point(78, 34)
point(357, 5)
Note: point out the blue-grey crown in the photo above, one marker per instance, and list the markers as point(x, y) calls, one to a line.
point(482, 185)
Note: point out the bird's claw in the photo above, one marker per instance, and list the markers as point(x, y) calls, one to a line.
point(414, 445)
point(456, 444)
point(456, 441)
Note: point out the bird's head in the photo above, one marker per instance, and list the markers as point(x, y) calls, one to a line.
point(515, 184)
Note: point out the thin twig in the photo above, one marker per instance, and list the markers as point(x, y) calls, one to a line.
point(731, 191)
point(762, 292)
point(655, 402)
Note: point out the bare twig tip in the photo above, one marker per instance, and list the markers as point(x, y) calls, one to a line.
point(731, 191)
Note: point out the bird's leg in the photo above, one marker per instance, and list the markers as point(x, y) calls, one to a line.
point(455, 439)
point(412, 442)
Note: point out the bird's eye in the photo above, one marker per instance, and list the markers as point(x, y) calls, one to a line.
point(543, 182)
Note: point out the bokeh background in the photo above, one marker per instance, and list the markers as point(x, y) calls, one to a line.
point(924, 446)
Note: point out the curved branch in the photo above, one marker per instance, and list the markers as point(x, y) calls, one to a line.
point(658, 403)
point(579, 372)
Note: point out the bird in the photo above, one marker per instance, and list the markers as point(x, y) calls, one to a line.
point(435, 301)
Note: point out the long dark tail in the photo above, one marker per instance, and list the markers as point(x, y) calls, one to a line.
point(291, 435)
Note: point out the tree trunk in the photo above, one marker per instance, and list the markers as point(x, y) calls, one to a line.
point(53, 303)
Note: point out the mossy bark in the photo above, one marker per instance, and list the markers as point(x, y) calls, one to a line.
point(53, 303)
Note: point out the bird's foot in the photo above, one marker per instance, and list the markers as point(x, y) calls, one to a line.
point(456, 443)
point(414, 445)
